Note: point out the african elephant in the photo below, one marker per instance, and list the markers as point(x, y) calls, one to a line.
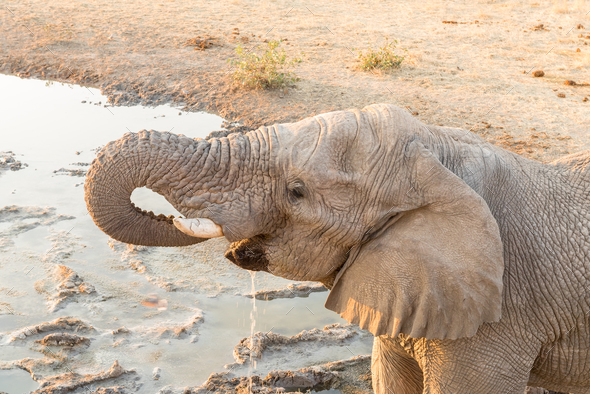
point(468, 263)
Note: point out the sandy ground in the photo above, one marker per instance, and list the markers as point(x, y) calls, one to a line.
point(474, 74)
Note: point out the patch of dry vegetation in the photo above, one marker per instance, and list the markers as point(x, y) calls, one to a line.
point(270, 69)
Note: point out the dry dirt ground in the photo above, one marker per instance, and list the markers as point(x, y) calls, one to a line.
point(468, 64)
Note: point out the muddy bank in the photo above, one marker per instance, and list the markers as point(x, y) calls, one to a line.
point(349, 376)
point(292, 290)
point(66, 340)
point(69, 287)
point(8, 161)
point(263, 343)
point(115, 379)
point(474, 72)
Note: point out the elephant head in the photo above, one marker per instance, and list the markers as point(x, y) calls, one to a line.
point(364, 201)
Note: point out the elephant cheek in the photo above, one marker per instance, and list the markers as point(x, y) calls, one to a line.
point(247, 255)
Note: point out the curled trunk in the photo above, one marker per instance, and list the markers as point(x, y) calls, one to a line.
point(147, 158)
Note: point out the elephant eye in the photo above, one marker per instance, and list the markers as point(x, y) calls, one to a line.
point(296, 192)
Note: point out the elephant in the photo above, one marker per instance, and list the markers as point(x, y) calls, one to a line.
point(468, 263)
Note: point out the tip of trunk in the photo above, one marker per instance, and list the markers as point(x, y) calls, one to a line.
point(122, 166)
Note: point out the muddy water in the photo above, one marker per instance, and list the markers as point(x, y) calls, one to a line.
point(16, 381)
point(48, 244)
point(252, 326)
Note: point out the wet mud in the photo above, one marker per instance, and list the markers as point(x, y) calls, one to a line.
point(262, 343)
point(292, 290)
point(8, 161)
point(347, 376)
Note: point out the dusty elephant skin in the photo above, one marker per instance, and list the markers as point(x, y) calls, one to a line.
point(466, 261)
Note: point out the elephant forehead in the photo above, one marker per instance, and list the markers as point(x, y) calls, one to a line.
point(320, 143)
point(330, 127)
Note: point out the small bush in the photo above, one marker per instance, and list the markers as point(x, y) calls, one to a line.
point(270, 70)
point(383, 58)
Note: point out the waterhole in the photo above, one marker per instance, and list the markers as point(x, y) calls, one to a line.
point(45, 225)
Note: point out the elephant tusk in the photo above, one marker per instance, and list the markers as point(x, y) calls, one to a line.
point(200, 228)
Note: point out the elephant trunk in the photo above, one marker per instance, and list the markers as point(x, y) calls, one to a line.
point(160, 161)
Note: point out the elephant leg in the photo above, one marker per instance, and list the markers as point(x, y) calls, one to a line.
point(488, 363)
point(393, 370)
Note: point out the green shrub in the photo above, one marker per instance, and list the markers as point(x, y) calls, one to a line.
point(270, 70)
point(383, 58)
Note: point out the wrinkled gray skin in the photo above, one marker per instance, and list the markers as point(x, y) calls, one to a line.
point(469, 263)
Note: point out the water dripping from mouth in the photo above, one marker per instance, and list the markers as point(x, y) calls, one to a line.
point(252, 325)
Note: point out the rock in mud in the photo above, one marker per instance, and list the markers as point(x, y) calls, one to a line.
point(201, 43)
point(313, 378)
point(63, 339)
point(8, 162)
point(120, 330)
point(540, 27)
point(259, 343)
point(291, 291)
point(70, 287)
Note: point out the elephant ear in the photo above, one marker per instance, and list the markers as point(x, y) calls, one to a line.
point(435, 272)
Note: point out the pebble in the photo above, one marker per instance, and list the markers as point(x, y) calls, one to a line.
point(120, 330)
point(69, 284)
point(87, 288)
point(538, 73)
point(156, 373)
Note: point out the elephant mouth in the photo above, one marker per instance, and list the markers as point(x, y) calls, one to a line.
point(247, 254)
